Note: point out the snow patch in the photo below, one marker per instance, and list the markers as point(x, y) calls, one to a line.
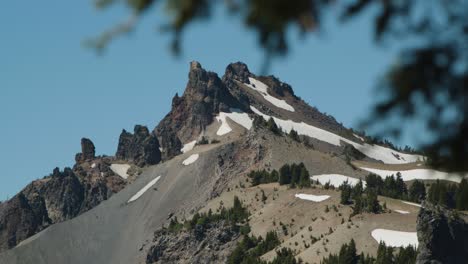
point(336, 179)
point(120, 169)
point(144, 189)
point(263, 90)
point(189, 146)
point(191, 159)
point(418, 174)
point(237, 116)
point(413, 204)
point(395, 238)
point(376, 152)
point(311, 197)
point(93, 165)
point(401, 211)
point(357, 136)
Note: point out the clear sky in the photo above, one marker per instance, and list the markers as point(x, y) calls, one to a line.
point(53, 91)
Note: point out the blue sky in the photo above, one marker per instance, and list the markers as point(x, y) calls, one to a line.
point(53, 91)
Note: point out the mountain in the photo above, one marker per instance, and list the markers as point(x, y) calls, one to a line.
point(236, 158)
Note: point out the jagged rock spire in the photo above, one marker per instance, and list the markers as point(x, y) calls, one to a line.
point(88, 151)
point(205, 96)
point(237, 71)
point(141, 147)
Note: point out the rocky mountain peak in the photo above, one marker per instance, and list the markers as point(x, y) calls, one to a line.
point(237, 71)
point(88, 151)
point(204, 97)
point(195, 65)
point(141, 147)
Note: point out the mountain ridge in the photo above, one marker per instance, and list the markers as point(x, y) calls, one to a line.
point(195, 116)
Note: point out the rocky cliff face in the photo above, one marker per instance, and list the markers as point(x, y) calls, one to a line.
point(442, 235)
point(58, 197)
point(140, 148)
point(211, 244)
point(204, 97)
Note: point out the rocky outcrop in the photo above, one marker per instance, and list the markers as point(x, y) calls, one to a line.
point(60, 196)
point(140, 148)
point(43, 202)
point(204, 97)
point(211, 244)
point(88, 151)
point(442, 236)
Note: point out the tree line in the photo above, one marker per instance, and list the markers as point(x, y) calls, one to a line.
point(296, 175)
point(365, 200)
point(236, 216)
point(362, 200)
point(394, 187)
point(385, 255)
point(452, 196)
point(251, 248)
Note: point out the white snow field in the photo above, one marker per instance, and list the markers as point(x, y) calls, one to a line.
point(120, 169)
point(401, 211)
point(263, 90)
point(376, 152)
point(418, 174)
point(311, 197)
point(395, 238)
point(336, 179)
point(191, 159)
point(237, 116)
point(189, 146)
point(144, 189)
point(410, 203)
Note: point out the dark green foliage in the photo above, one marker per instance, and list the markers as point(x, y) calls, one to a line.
point(175, 225)
point(233, 216)
point(296, 175)
point(364, 201)
point(263, 176)
point(250, 248)
point(461, 196)
point(385, 255)
point(345, 193)
point(271, 125)
point(259, 121)
point(375, 182)
point(203, 141)
point(347, 255)
point(449, 195)
point(264, 198)
point(293, 135)
point(393, 187)
point(406, 255)
point(371, 203)
point(285, 175)
point(285, 256)
point(417, 192)
point(214, 141)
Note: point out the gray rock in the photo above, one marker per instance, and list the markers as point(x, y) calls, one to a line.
point(88, 151)
point(204, 97)
point(141, 148)
point(442, 236)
